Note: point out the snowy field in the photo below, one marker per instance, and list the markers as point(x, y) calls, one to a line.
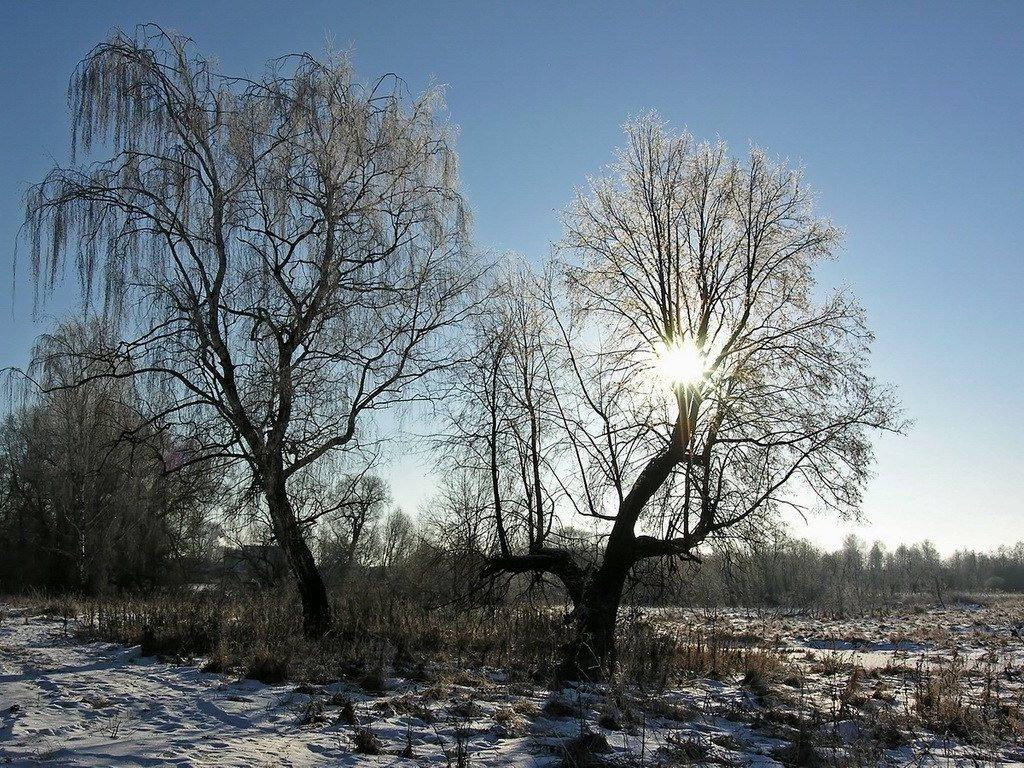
point(65, 702)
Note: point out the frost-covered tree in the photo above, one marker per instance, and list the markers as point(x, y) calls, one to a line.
point(675, 378)
point(286, 255)
point(92, 494)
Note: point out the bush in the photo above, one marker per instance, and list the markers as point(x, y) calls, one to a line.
point(582, 751)
point(365, 742)
point(267, 666)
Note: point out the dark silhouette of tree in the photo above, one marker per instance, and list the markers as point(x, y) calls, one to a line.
point(674, 378)
point(94, 495)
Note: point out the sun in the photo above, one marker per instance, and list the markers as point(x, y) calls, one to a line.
point(681, 363)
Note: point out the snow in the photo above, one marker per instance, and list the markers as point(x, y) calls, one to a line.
point(64, 702)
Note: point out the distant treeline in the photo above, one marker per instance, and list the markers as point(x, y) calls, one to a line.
point(789, 572)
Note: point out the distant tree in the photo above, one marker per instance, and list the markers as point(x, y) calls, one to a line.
point(357, 507)
point(675, 378)
point(95, 494)
point(285, 254)
point(931, 569)
point(395, 538)
point(876, 569)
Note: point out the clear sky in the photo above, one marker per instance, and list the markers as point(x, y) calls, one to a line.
point(908, 118)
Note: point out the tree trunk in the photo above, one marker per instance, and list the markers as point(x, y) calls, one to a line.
point(316, 610)
point(590, 653)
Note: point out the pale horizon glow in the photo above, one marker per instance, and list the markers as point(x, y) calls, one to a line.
point(906, 118)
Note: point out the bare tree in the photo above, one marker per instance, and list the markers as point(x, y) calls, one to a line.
point(94, 493)
point(674, 378)
point(355, 508)
point(395, 538)
point(286, 254)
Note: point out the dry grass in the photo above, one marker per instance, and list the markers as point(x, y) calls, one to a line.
point(803, 699)
point(365, 742)
point(656, 657)
point(947, 701)
point(259, 635)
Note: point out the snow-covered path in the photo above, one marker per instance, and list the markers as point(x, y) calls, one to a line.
point(63, 702)
point(68, 703)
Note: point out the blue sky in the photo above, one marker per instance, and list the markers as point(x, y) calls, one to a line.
point(907, 117)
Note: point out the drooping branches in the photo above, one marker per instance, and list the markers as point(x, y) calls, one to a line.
point(92, 494)
point(286, 255)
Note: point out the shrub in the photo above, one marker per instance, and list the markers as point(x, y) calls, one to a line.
point(365, 742)
point(267, 666)
point(582, 751)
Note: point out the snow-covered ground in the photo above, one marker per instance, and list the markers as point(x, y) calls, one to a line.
point(65, 702)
